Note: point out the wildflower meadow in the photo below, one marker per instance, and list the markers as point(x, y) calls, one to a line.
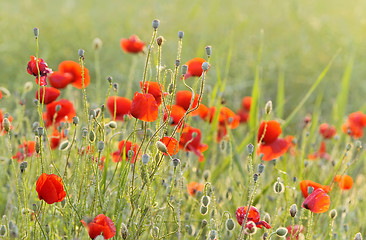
point(242, 120)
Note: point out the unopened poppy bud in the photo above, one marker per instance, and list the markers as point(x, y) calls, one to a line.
point(176, 162)
point(36, 32)
point(2, 230)
point(75, 120)
point(205, 200)
point(206, 174)
point(161, 147)
point(64, 145)
point(92, 113)
point(170, 88)
point(310, 189)
point(47, 228)
point(230, 224)
point(155, 23)
point(145, 158)
point(278, 187)
point(154, 232)
point(115, 86)
point(250, 148)
point(28, 86)
point(281, 232)
point(84, 132)
point(348, 147)
point(267, 218)
point(124, 231)
point(112, 124)
point(203, 210)
point(180, 34)
point(23, 166)
point(189, 229)
point(333, 214)
point(100, 146)
point(260, 168)
point(6, 124)
point(81, 52)
point(204, 223)
point(40, 131)
point(205, 66)
point(358, 236)
point(208, 51)
point(91, 136)
point(177, 63)
point(184, 69)
point(159, 40)
point(255, 177)
point(110, 79)
point(293, 210)
point(97, 43)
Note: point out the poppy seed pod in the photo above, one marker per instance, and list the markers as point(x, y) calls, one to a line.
point(205, 66)
point(230, 224)
point(58, 108)
point(333, 214)
point(155, 24)
point(145, 158)
point(130, 154)
point(358, 236)
point(161, 147)
point(293, 210)
point(205, 200)
point(203, 210)
point(176, 162)
point(84, 132)
point(75, 120)
point(124, 231)
point(81, 52)
point(36, 32)
point(180, 34)
point(208, 51)
point(281, 232)
point(97, 43)
point(100, 146)
point(109, 79)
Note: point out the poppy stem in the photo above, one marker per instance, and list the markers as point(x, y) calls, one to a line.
point(148, 56)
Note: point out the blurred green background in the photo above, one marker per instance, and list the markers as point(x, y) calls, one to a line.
point(300, 38)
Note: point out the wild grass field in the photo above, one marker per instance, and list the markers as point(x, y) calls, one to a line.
point(182, 120)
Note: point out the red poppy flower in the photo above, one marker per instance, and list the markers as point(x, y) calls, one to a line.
point(2, 131)
point(317, 202)
point(203, 111)
point(321, 153)
point(192, 144)
point(246, 102)
point(66, 112)
point(25, 150)
point(292, 145)
point(294, 232)
point(327, 131)
point(253, 216)
point(269, 144)
point(41, 81)
point(60, 80)
point(50, 188)
point(144, 107)
point(345, 182)
point(171, 144)
point(154, 89)
point(308, 183)
point(1, 95)
point(75, 70)
point(123, 106)
point(50, 94)
point(56, 138)
point(194, 67)
point(176, 114)
point(132, 44)
point(32, 68)
point(123, 148)
point(100, 225)
point(184, 98)
point(226, 117)
point(355, 124)
point(244, 111)
point(194, 187)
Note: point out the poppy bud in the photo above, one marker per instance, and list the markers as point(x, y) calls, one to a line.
point(268, 107)
point(278, 187)
point(81, 52)
point(2, 230)
point(230, 224)
point(91, 136)
point(208, 51)
point(124, 231)
point(154, 232)
point(112, 124)
point(255, 177)
point(189, 229)
point(92, 114)
point(161, 147)
point(212, 234)
point(205, 200)
point(115, 86)
point(84, 132)
point(293, 210)
point(155, 23)
point(358, 236)
point(203, 210)
point(281, 232)
point(28, 86)
point(100, 146)
point(260, 168)
point(205, 66)
point(64, 145)
point(170, 88)
point(348, 147)
point(6, 124)
point(110, 79)
point(36, 32)
point(250, 148)
point(267, 218)
point(184, 69)
point(145, 158)
point(47, 228)
point(264, 236)
point(206, 174)
point(75, 120)
point(176, 162)
point(97, 43)
point(40, 131)
point(180, 34)
point(177, 63)
point(333, 214)
point(159, 40)
point(204, 223)
point(23, 166)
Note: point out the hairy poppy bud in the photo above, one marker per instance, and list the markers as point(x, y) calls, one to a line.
point(281, 232)
point(205, 66)
point(75, 120)
point(203, 210)
point(97, 43)
point(293, 210)
point(230, 224)
point(161, 147)
point(64, 145)
point(159, 40)
point(36, 32)
point(23, 166)
point(91, 136)
point(278, 187)
point(170, 88)
point(155, 23)
point(176, 162)
point(112, 124)
point(6, 124)
point(81, 52)
point(204, 223)
point(92, 113)
point(268, 107)
point(255, 177)
point(100, 146)
point(250, 148)
point(184, 69)
point(145, 158)
point(205, 200)
point(180, 34)
point(358, 236)
point(124, 231)
point(333, 214)
point(208, 51)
